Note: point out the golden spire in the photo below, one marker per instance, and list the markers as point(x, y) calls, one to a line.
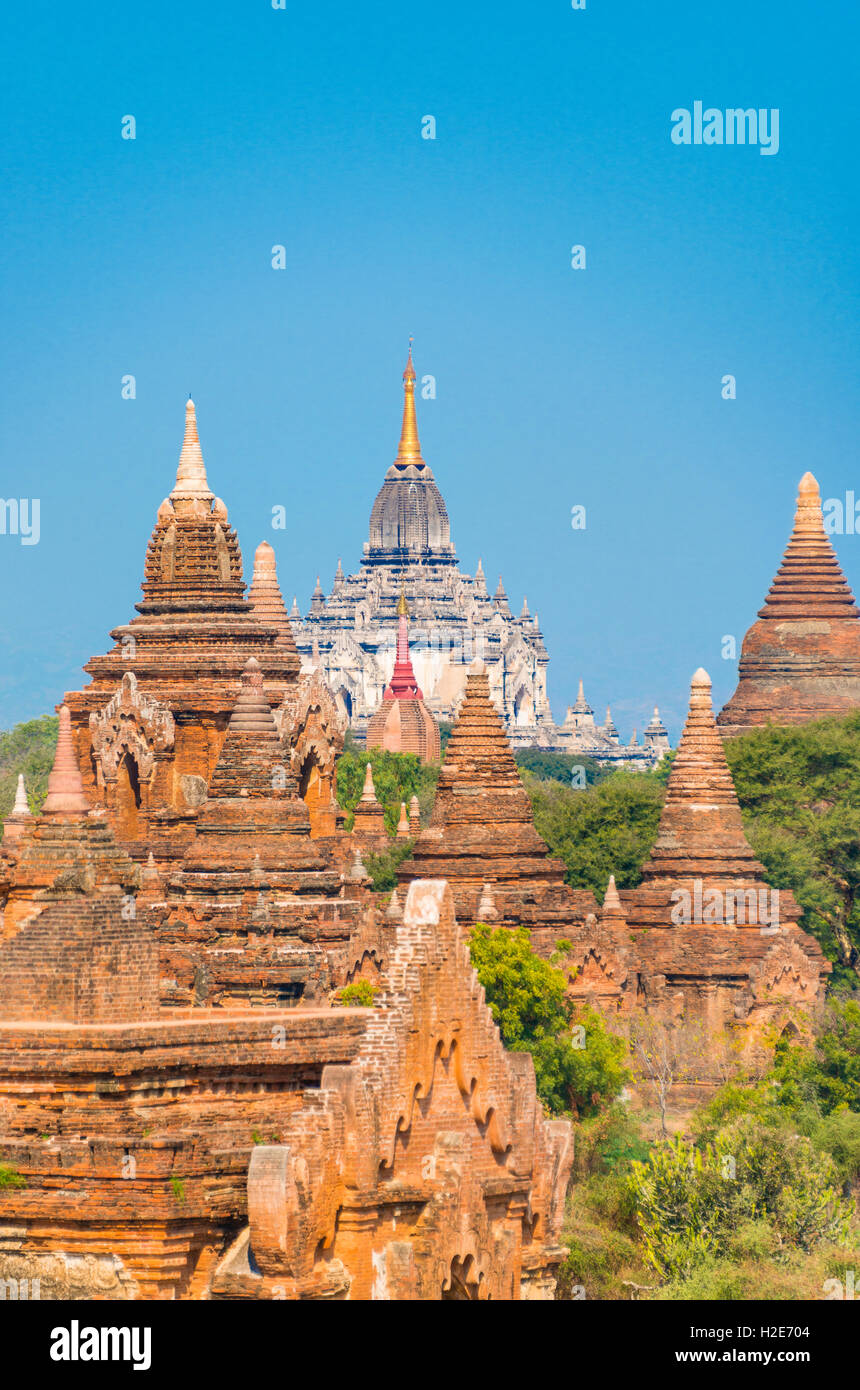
point(409, 449)
point(402, 610)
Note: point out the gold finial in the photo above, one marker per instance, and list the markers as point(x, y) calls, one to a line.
point(402, 610)
point(409, 449)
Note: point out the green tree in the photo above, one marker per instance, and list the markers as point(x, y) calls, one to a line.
point(799, 788)
point(397, 777)
point(559, 767)
point(27, 748)
point(691, 1201)
point(579, 1064)
point(605, 829)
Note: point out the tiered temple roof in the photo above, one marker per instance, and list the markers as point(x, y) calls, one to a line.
point(454, 619)
point(149, 727)
point(481, 830)
point(801, 659)
point(255, 913)
point(712, 940)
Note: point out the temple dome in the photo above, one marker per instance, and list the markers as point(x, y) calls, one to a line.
point(409, 518)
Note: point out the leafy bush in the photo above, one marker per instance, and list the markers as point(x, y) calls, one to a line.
point(692, 1202)
point(361, 994)
point(10, 1177)
point(397, 777)
point(827, 1075)
point(600, 830)
point(27, 748)
point(383, 867)
point(528, 999)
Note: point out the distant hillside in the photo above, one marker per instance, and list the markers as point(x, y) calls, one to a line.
point(28, 748)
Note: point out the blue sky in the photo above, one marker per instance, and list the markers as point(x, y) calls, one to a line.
point(555, 387)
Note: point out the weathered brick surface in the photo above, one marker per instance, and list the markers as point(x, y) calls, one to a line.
point(255, 914)
point(422, 1170)
point(150, 725)
point(703, 940)
point(801, 659)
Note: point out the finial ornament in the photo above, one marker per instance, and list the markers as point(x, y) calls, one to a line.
point(409, 449)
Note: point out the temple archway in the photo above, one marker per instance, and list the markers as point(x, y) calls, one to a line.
point(128, 798)
point(523, 707)
point(311, 788)
point(343, 700)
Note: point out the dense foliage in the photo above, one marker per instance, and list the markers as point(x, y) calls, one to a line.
point(397, 777)
point(604, 829)
point(383, 867)
point(361, 994)
point(800, 792)
point(579, 1065)
point(559, 767)
point(692, 1202)
point(28, 748)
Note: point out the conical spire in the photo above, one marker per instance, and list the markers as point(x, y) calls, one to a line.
point(191, 485)
point(809, 582)
point(403, 685)
point(801, 659)
point(409, 449)
point(581, 705)
point(252, 713)
point(251, 761)
point(368, 793)
point(487, 910)
point(266, 599)
point(612, 908)
point(525, 609)
point(22, 806)
point(701, 832)
point(20, 817)
point(481, 829)
point(479, 759)
point(403, 831)
point(65, 787)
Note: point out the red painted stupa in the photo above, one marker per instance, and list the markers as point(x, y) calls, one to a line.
point(403, 723)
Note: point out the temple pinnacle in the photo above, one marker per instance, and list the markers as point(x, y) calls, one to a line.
point(191, 486)
point(65, 787)
point(409, 449)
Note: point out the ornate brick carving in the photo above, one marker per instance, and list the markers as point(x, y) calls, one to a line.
point(133, 723)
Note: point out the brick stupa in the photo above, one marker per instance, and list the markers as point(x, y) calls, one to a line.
point(712, 942)
point(403, 723)
point(801, 659)
point(255, 914)
point(72, 948)
point(64, 848)
point(481, 833)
